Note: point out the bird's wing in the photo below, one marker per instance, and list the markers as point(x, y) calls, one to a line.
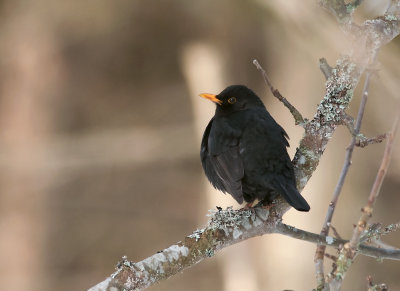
point(280, 167)
point(222, 163)
point(284, 136)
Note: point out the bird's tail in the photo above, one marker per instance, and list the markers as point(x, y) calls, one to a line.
point(292, 196)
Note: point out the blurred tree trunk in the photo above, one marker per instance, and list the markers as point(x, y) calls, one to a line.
point(32, 68)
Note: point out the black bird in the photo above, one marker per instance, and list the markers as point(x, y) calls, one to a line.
point(243, 151)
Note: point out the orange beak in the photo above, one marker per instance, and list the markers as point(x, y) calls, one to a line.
point(211, 97)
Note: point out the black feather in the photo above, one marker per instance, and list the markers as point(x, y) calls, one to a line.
point(222, 163)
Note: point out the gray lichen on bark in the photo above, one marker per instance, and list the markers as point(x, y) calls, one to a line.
point(340, 86)
point(225, 227)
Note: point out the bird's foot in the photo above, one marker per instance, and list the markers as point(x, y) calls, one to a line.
point(248, 206)
point(265, 205)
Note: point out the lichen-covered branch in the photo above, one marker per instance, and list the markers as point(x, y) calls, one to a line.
point(226, 227)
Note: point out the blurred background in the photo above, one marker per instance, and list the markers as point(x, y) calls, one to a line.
point(100, 128)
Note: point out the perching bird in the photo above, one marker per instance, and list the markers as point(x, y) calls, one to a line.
point(243, 151)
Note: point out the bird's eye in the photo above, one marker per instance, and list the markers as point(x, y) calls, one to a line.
point(232, 100)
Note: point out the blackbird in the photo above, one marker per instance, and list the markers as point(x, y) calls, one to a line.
point(243, 151)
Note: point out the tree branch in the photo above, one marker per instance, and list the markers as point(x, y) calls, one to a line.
point(298, 118)
point(225, 228)
point(320, 251)
point(375, 231)
point(325, 68)
point(335, 232)
point(350, 249)
point(370, 251)
point(365, 141)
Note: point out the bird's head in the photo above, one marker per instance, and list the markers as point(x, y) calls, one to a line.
point(234, 98)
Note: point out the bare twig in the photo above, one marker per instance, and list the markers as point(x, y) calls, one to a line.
point(364, 141)
point(298, 118)
point(320, 251)
point(325, 68)
point(332, 257)
point(367, 210)
point(335, 232)
point(366, 250)
point(361, 140)
point(350, 249)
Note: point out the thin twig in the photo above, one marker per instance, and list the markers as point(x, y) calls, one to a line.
point(350, 249)
point(335, 232)
point(364, 141)
point(364, 249)
point(361, 140)
point(319, 253)
point(332, 257)
point(298, 118)
point(375, 231)
point(325, 68)
point(367, 210)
